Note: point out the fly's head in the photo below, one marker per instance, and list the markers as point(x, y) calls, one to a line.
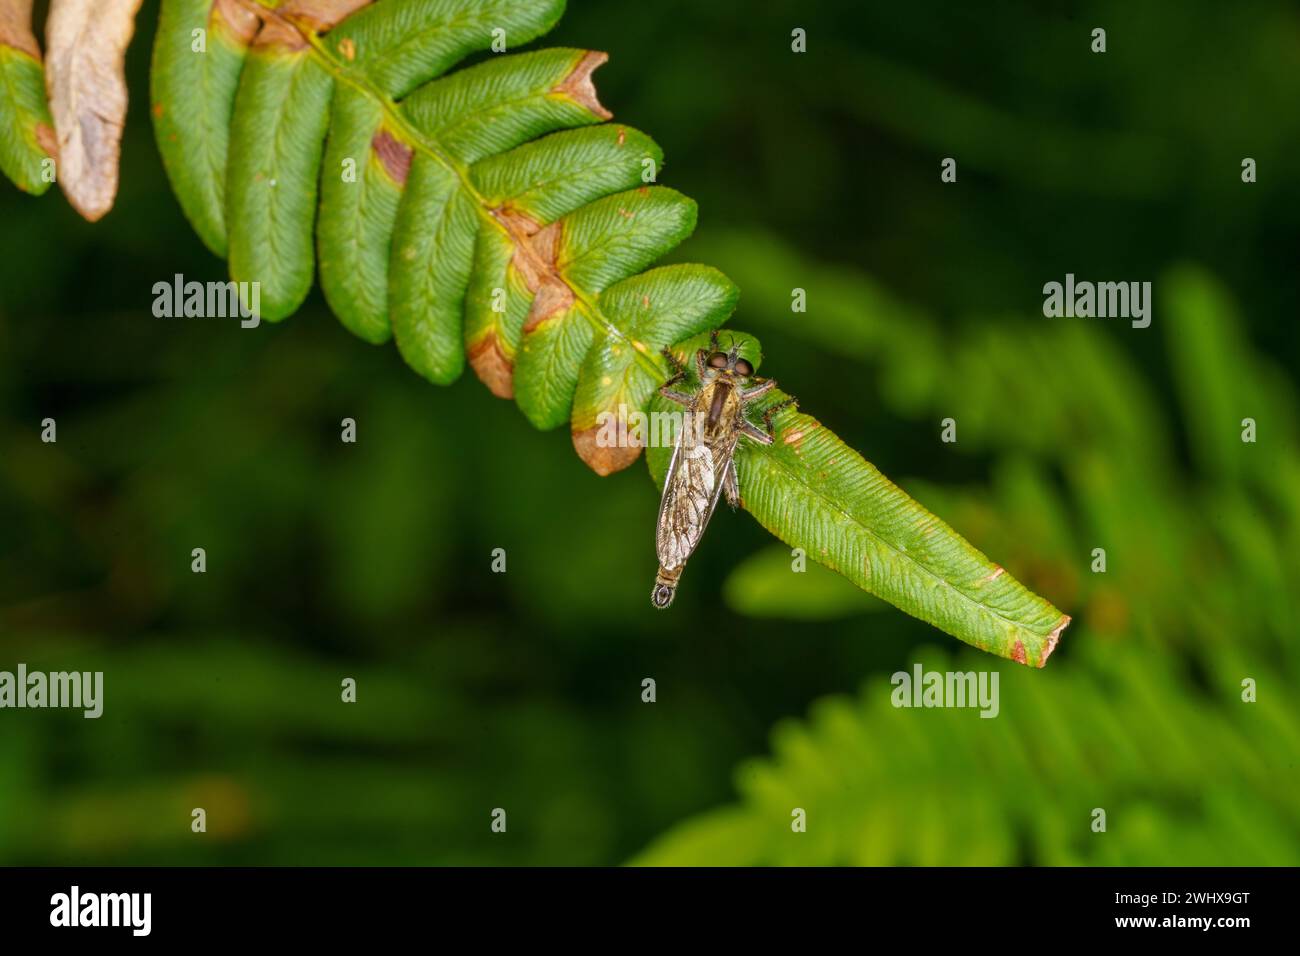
point(728, 366)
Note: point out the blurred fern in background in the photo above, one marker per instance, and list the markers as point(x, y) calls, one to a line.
point(1147, 719)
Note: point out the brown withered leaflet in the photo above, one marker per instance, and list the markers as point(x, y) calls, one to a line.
point(703, 464)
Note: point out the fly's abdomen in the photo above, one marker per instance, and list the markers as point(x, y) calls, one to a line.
point(665, 588)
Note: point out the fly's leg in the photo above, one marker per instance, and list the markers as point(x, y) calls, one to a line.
point(677, 367)
point(701, 357)
point(730, 486)
point(749, 394)
point(679, 373)
point(681, 398)
point(767, 415)
point(750, 430)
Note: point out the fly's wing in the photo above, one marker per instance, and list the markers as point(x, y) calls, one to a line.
point(695, 479)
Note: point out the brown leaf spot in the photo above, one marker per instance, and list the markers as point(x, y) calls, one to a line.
point(794, 437)
point(237, 20)
point(622, 135)
point(645, 301)
point(1053, 639)
point(320, 15)
point(348, 49)
point(16, 27)
point(46, 139)
point(516, 222)
point(394, 154)
point(537, 251)
point(535, 256)
point(553, 298)
point(603, 460)
point(290, 25)
point(1018, 652)
point(578, 86)
point(492, 367)
point(279, 32)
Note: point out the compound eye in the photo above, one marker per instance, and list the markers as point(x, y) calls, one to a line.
point(718, 360)
point(743, 367)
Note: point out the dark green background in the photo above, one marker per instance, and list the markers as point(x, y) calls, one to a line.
point(522, 690)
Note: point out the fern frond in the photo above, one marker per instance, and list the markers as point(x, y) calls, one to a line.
point(816, 493)
point(481, 214)
point(493, 216)
point(1122, 734)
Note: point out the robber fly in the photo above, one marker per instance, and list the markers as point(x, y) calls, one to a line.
point(703, 464)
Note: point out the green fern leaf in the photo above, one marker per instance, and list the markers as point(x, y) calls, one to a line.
point(816, 493)
point(193, 131)
point(813, 491)
point(491, 216)
point(478, 215)
point(26, 129)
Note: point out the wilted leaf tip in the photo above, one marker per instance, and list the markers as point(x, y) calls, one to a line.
point(1053, 639)
point(603, 460)
point(579, 87)
point(86, 45)
point(492, 367)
